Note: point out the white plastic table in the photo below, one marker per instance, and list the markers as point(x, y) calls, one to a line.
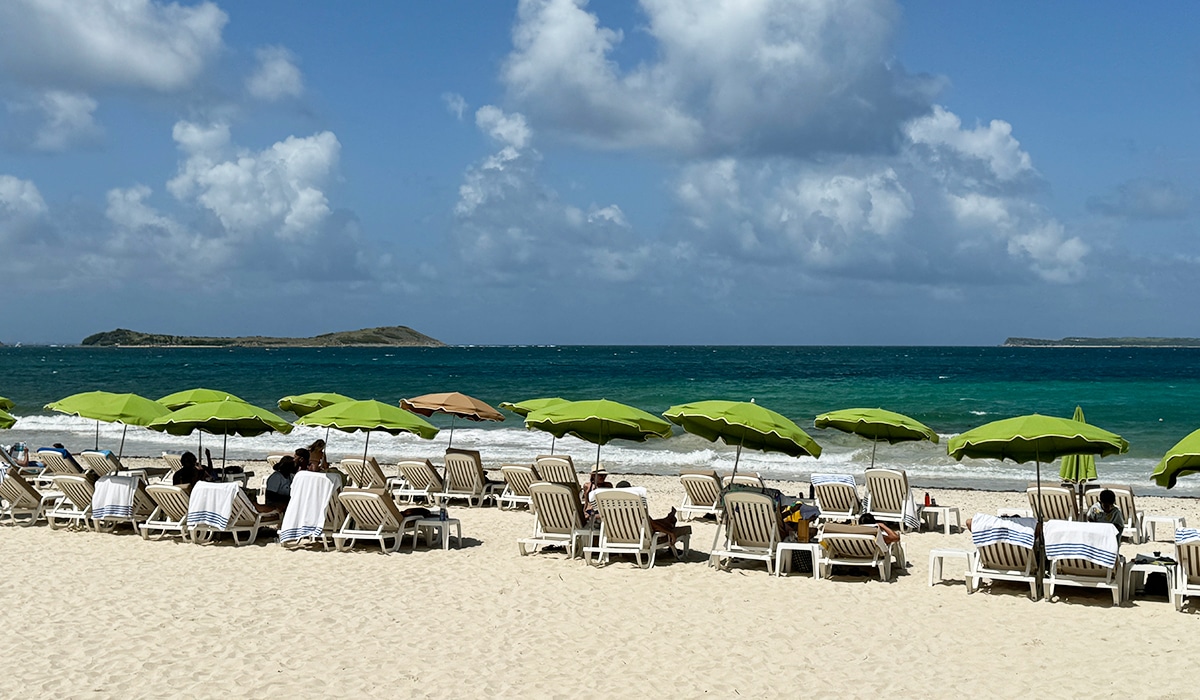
point(938, 556)
point(438, 527)
point(1150, 524)
point(932, 515)
point(1143, 569)
point(813, 549)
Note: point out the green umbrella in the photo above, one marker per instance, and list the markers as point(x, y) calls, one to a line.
point(6, 404)
point(304, 404)
point(127, 409)
point(876, 424)
point(190, 397)
point(228, 417)
point(598, 421)
point(1180, 460)
point(524, 408)
point(353, 416)
point(745, 425)
point(6, 420)
point(1078, 468)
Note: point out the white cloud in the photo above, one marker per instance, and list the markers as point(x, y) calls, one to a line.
point(68, 120)
point(90, 44)
point(993, 144)
point(20, 199)
point(1145, 199)
point(278, 190)
point(276, 76)
point(455, 104)
point(508, 129)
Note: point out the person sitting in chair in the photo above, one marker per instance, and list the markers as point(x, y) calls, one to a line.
point(1106, 511)
point(191, 471)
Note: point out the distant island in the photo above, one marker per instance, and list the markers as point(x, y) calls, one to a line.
point(1103, 343)
point(386, 336)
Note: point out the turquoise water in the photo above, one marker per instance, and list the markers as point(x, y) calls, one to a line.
point(1149, 396)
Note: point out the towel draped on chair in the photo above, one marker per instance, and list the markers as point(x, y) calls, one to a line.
point(1094, 542)
point(911, 520)
point(1183, 535)
point(211, 504)
point(113, 497)
point(821, 479)
point(988, 529)
point(305, 514)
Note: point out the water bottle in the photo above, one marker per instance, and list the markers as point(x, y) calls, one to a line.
point(442, 514)
point(926, 498)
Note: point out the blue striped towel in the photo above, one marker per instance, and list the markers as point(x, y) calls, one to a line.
point(113, 497)
point(305, 514)
point(211, 504)
point(911, 520)
point(988, 529)
point(1094, 542)
point(1185, 535)
point(822, 479)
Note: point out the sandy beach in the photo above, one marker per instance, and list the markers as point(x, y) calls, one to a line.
point(100, 615)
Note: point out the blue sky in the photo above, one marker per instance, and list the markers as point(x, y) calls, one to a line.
point(726, 171)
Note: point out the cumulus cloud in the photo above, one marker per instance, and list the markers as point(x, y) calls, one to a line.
point(1144, 199)
point(91, 44)
point(992, 145)
point(68, 119)
point(508, 129)
point(276, 76)
point(20, 199)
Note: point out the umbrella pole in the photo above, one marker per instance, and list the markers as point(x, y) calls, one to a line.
point(551, 444)
point(451, 443)
point(1039, 551)
point(97, 447)
point(366, 443)
point(121, 450)
point(874, 446)
point(224, 448)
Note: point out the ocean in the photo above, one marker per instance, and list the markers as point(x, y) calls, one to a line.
point(1150, 396)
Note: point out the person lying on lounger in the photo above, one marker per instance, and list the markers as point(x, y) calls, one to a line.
point(890, 536)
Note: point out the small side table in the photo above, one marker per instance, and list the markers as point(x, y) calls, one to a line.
point(1142, 570)
point(1150, 524)
point(438, 527)
point(786, 548)
point(932, 515)
point(938, 556)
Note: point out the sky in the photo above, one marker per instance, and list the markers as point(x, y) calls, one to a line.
point(564, 172)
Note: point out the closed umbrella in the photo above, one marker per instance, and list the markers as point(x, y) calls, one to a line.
point(367, 416)
point(876, 424)
point(1180, 460)
point(744, 425)
point(127, 409)
point(225, 418)
point(599, 422)
point(453, 403)
point(524, 408)
point(1078, 468)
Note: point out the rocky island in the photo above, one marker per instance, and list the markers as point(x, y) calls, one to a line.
point(1103, 343)
point(385, 336)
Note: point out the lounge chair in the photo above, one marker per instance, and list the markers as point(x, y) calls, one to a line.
point(837, 497)
point(557, 469)
point(890, 499)
point(1004, 551)
point(1133, 518)
point(701, 493)
point(368, 475)
point(743, 479)
point(75, 507)
point(170, 511)
point(517, 480)
point(174, 463)
point(558, 519)
point(751, 529)
point(1085, 555)
point(857, 545)
point(420, 481)
point(1058, 502)
point(314, 512)
point(465, 478)
point(215, 508)
point(371, 515)
point(1187, 570)
point(274, 458)
point(120, 499)
point(59, 461)
point(20, 502)
point(625, 529)
point(33, 473)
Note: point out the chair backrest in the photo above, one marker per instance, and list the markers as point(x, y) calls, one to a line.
point(1187, 554)
point(887, 489)
point(58, 461)
point(102, 462)
point(851, 541)
point(173, 500)
point(371, 510)
point(243, 511)
point(274, 457)
point(837, 497)
point(1123, 493)
point(556, 469)
point(1058, 502)
point(1075, 566)
point(421, 474)
point(624, 518)
point(744, 479)
point(77, 488)
point(1005, 556)
point(702, 489)
point(464, 472)
point(17, 491)
point(519, 478)
point(752, 519)
point(174, 464)
point(557, 507)
point(364, 474)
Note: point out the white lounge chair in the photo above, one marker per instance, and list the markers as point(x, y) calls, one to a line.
point(174, 463)
point(837, 497)
point(170, 511)
point(1003, 552)
point(743, 479)
point(1187, 569)
point(420, 481)
point(205, 519)
point(466, 480)
point(857, 545)
point(517, 480)
point(120, 499)
point(20, 502)
point(558, 519)
point(1058, 502)
point(1125, 502)
point(314, 512)
point(59, 461)
point(75, 507)
point(701, 494)
point(557, 469)
point(368, 475)
point(890, 499)
point(1084, 555)
point(751, 529)
point(370, 515)
point(625, 529)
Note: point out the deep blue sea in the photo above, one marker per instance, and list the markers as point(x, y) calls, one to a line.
point(1149, 396)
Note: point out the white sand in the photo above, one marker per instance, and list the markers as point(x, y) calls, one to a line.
point(88, 614)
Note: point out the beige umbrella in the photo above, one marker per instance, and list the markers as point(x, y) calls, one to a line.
point(456, 404)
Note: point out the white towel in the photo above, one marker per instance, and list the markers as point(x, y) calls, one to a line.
point(305, 514)
point(211, 504)
point(1184, 535)
point(822, 479)
point(1095, 542)
point(988, 529)
point(911, 521)
point(113, 497)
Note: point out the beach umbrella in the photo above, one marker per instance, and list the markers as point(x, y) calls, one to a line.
point(191, 397)
point(744, 425)
point(304, 404)
point(368, 416)
point(599, 422)
point(6, 420)
point(1180, 460)
point(1078, 468)
point(6, 404)
point(107, 407)
point(225, 418)
point(524, 408)
point(876, 424)
point(453, 403)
